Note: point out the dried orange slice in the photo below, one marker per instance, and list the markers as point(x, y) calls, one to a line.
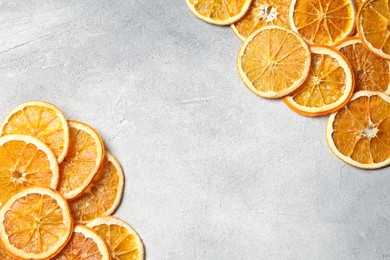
point(122, 239)
point(328, 87)
point(85, 156)
point(359, 133)
point(24, 162)
point(273, 61)
point(41, 120)
point(219, 12)
point(323, 21)
point(84, 244)
point(371, 72)
point(260, 14)
point(373, 25)
point(103, 195)
point(35, 223)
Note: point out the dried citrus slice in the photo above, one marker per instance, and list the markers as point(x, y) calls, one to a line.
point(323, 21)
point(219, 12)
point(359, 133)
point(35, 223)
point(102, 196)
point(122, 239)
point(84, 244)
point(85, 156)
point(373, 25)
point(371, 72)
point(260, 14)
point(328, 87)
point(41, 120)
point(24, 162)
point(273, 61)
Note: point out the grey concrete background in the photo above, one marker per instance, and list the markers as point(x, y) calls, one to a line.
point(212, 171)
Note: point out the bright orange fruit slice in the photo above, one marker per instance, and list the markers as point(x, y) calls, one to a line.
point(41, 120)
point(219, 12)
point(273, 61)
point(85, 244)
point(260, 14)
point(103, 195)
point(84, 158)
point(24, 162)
point(371, 72)
point(359, 133)
point(122, 239)
point(323, 21)
point(373, 25)
point(35, 223)
point(328, 87)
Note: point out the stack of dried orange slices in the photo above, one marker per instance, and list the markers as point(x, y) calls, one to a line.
point(321, 57)
point(58, 190)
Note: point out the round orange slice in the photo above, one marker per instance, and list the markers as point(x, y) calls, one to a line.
point(328, 87)
point(373, 25)
point(122, 239)
point(84, 158)
point(103, 195)
point(35, 223)
point(85, 244)
point(273, 61)
point(323, 21)
point(260, 14)
point(359, 133)
point(219, 12)
point(371, 72)
point(24, 162)
point(41, 120)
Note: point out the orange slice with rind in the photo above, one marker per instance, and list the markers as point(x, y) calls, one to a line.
point(273, 61)
point(84, 158)
point(41, 120)
point(103, 195)
point(359, 133)
point(328, 87)
point(24, 162)
point(35, 223)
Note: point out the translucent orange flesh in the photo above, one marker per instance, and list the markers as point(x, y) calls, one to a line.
point(324, 21)
point(371, 72)
point(375, 20)
point(22, 165)
point(80, 247)
point(40, 122)
point(274, 60)
point(79, 162)
point(219, 9)
point(262, 13)
point(325, 83)
point(34, 223)
point(362, 130)
point(123, 245)
point(98, 197)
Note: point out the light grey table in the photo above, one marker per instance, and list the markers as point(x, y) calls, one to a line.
point(212, 171)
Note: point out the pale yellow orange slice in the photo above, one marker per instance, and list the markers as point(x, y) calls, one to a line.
point(84, 158)
point(273, 61)
point(323, 21)
point(373, 25)
point(24, 162)
point(359, 133)
point(35, 223)
point(219, 12)
point(122, 239)
point(102, 196)
point(328, 87)
point(41, 120)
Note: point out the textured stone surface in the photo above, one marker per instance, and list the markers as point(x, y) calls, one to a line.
point(212, 171)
